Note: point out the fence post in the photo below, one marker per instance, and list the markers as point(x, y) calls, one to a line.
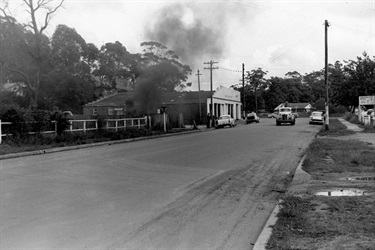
point(71, 125)
point(55, 128)
point(96, 125)
point(84, 126)
point(116, 124)
point(1, 134)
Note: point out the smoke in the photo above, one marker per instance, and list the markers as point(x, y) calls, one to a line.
point(154, 80)
point(196, 32)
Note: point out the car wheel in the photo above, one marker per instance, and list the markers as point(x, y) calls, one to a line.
point(278, 123)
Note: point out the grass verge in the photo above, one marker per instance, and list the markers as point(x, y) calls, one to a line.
point(309, 221)
point(41, 142)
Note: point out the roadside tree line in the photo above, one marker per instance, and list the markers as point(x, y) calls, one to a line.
point(347, 80)
point(64, 72)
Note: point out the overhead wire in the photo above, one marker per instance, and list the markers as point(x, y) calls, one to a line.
point(299, 43)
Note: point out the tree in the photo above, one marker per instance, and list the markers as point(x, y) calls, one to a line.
point(315, 83)
point(116, 62)
point(256, 80)
point(33, 44)
point(360, 80)
point(70, 83)
point(155, 53)
point(277, 93)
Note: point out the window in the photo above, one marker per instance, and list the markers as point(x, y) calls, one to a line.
point(94, 111)
point(110, 111)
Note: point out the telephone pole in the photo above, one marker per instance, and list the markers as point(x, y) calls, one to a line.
point(211, 63)
point(243, 90)
point(326, 25)
point(199, 96)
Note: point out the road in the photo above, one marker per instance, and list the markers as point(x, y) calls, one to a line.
point(207, 190)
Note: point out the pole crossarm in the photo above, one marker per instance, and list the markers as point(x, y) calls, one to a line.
point(211, 63)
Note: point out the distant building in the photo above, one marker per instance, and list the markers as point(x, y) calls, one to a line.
point(296, 107)
point(188, 106)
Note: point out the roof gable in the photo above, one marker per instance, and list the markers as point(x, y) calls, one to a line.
point(301, 105)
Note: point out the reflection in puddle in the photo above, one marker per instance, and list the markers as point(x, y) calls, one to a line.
point(366, 178)
point(342, 192)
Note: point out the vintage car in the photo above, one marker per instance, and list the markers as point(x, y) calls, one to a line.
point(317, 117)
point(285, 116)
point(252, 117)
point(225, 120)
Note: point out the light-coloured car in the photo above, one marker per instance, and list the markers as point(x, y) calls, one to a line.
point(317, 117)
point(285, 116)
point(273, 115)
point(252, 117)
point(225, 120)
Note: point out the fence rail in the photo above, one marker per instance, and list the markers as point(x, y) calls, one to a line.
point(88, 125)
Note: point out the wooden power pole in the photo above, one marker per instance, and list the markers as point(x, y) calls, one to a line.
point(211, 63)
point(243, 90)
point(199, 96)
point(326, 25)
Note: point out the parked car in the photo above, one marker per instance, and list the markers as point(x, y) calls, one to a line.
point(285, 116)
point(317, 117)
point(252, 117)
point(225, 120)
point(273, 115)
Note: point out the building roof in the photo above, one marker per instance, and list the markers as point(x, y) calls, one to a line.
point(303, 105)
point(186, 97)
point(167, 98)
point(112, 100)
point(300, 105)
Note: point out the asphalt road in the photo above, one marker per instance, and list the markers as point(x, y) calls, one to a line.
point(211, 190)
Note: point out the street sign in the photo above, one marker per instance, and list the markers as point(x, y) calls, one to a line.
point(367, 100)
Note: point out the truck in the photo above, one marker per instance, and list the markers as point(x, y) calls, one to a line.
point(285, 115)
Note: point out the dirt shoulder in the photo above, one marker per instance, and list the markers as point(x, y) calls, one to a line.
point(333, 207)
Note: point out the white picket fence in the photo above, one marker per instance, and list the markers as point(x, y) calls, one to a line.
point(87, 125)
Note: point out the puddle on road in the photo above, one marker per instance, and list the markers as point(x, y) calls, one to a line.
point(342, 192)
point(364, 178)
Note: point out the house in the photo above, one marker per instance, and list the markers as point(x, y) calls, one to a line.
point(184, 107)
point(296, 107)
point(112, 104)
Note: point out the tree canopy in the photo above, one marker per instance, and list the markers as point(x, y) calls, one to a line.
point(65, 72)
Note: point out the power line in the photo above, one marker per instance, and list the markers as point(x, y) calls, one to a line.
point(295, 46)
point(232, 70)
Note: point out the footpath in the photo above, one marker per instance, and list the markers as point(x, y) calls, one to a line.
point(300, 183)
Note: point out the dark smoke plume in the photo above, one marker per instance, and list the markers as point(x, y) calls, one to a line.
point(196, 32)
point(154, 80)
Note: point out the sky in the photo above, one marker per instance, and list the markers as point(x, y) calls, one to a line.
point(278, 36)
